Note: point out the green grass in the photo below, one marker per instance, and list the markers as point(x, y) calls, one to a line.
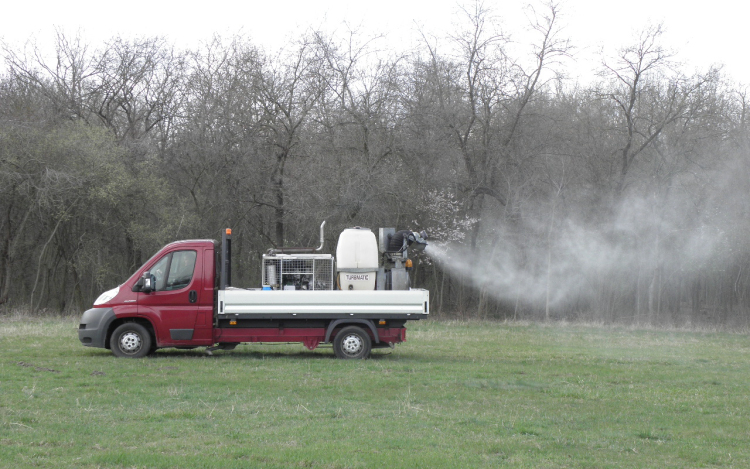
point(455, 395)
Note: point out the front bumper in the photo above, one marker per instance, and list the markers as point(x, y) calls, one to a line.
point(92, 331)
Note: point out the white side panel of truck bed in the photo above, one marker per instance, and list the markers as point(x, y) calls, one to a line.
point(297, 302)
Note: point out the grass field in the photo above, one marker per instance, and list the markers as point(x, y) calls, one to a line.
point(455, 395)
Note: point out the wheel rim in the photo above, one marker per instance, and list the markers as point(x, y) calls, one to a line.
point(352, 344)
point(130, 342)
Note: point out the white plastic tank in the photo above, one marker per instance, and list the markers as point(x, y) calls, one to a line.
point(357, 259)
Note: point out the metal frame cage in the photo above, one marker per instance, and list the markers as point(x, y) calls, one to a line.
point(298, 271)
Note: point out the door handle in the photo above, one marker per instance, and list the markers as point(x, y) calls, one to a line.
point(193, 296)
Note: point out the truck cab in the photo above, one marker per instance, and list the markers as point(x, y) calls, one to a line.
point(171, 296)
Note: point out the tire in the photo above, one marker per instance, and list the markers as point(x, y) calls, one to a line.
point(352, 343)
point(131, 340)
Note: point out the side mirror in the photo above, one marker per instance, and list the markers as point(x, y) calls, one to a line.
point(148, 282)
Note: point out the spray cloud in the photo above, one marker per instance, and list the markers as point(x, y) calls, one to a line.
point(576, 264)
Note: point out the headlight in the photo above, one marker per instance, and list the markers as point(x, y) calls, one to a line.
point(106, 296)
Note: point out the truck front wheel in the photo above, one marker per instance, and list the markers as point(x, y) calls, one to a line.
point(131, 340)
point(352, 342)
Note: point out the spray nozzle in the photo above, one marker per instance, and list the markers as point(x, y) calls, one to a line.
point(417, 241)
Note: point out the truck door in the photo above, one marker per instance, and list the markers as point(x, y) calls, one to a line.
point(175, 306)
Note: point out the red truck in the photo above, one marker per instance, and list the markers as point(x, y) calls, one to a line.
point(182, 297)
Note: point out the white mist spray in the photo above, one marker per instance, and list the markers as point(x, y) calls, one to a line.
point(544, 271)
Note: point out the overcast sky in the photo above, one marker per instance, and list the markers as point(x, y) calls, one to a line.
point(703, 34)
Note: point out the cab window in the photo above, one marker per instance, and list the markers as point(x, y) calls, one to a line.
point(174, 271)
point(181, 270)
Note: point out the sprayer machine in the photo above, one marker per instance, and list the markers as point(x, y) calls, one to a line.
point(362, 263)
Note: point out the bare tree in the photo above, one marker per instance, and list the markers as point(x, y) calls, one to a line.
point(138, 87)
point(65, 80)
point(288, 92)
point(649, 94)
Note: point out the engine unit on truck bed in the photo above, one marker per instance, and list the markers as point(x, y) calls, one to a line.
point(298, 271)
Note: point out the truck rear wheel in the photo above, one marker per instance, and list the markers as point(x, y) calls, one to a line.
point(131, 340)
point(352, 342)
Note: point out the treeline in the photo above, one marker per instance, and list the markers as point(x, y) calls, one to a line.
point(619, 200)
